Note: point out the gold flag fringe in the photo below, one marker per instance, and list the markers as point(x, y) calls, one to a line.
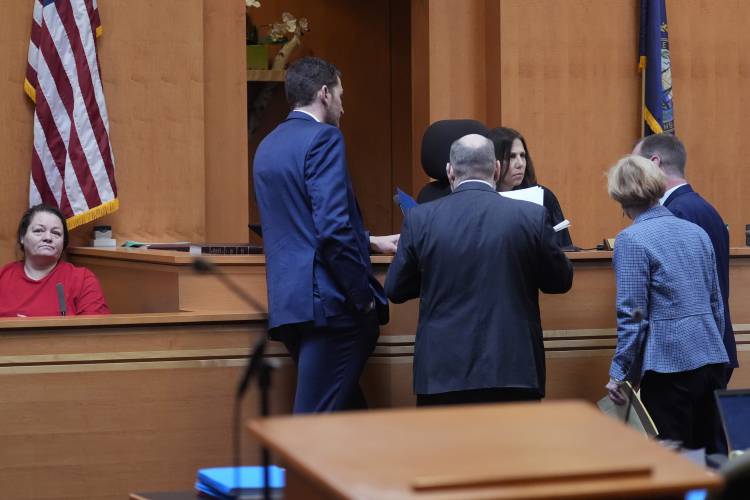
point(30, 90)
point(92, 214)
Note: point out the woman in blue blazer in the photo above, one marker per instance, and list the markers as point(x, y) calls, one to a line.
point(670, 317)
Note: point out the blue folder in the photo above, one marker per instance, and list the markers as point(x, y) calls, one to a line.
point(221, 482)
point(405, 201)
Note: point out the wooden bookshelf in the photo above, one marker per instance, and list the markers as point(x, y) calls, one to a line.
point(266, 75)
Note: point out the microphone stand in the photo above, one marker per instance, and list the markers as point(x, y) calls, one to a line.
point(264, 383)
point(257, 364)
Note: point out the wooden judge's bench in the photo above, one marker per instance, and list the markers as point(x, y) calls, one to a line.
point(579, 326)
point(96, 407)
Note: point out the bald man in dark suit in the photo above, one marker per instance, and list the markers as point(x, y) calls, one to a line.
point(477, 260)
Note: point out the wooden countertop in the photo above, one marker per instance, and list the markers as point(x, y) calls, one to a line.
point(171, 257)
point(184, 258)
point(556, 449)
point(142, 319)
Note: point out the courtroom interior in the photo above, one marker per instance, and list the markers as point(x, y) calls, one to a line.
point(137, 395)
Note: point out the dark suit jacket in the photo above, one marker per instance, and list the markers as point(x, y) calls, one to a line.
point(477, 260)
point(437, 189)
point(689, 205)
point(317, 251)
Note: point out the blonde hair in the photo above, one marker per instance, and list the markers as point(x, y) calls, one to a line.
point(636, 182)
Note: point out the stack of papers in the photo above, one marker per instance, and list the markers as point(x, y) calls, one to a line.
point(534, 194)
point(239, 482)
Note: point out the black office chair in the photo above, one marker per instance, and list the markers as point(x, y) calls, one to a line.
point(736, 474)
point(436, 146)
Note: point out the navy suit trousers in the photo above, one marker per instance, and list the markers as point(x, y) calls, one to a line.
point(329, 363)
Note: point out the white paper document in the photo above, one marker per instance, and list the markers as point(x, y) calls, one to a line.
point(563, 225)
point(534, 194)
point(637, 415)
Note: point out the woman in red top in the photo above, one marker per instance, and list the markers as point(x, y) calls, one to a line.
point(42, 284)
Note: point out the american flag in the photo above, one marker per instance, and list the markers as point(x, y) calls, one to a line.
point(72, 165)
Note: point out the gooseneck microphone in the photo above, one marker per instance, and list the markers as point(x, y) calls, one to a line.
point(256, 365)
point(61, 299)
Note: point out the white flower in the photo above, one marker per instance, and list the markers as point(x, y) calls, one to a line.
point(289, 22)
point(252, 3)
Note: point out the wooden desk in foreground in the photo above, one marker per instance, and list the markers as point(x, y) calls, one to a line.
point(561, 449)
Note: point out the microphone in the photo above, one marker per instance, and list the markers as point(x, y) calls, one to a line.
point(61, 299)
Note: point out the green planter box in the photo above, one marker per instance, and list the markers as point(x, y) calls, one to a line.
point(257, 56)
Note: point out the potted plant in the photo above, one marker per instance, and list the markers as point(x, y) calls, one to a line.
point(287, 31)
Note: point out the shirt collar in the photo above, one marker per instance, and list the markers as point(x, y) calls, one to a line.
point(474, 180)
point(308, 114)
point(670, 191)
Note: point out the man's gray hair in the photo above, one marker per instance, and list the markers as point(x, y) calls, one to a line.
point(473, 157)
point(669, 149)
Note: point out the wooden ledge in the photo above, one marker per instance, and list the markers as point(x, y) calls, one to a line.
point(168, 257)
point(141, 319)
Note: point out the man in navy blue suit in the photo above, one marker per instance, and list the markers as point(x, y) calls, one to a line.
point(668, 153)
point(323, 302)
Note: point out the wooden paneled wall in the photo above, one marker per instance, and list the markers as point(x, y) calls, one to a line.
point(15, 120)
point(561, 71)
point(567, 80)
point(710, 47)
point(174, 80)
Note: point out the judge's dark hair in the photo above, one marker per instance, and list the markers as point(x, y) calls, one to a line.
point(305, 77)
point(502, 138)
point(26, 218)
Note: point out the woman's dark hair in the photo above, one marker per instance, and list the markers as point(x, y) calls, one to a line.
point(26, 218)
point(502, 138)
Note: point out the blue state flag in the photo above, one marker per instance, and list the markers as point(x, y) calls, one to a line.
point(654, 60)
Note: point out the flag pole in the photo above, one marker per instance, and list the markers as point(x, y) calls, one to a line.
point(642, 67)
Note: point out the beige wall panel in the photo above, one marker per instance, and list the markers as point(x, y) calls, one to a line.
point(710, 47)
point(226, 116)
point(457, 60)
point(152, 66)
point(569, 84)
point(16, 122)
